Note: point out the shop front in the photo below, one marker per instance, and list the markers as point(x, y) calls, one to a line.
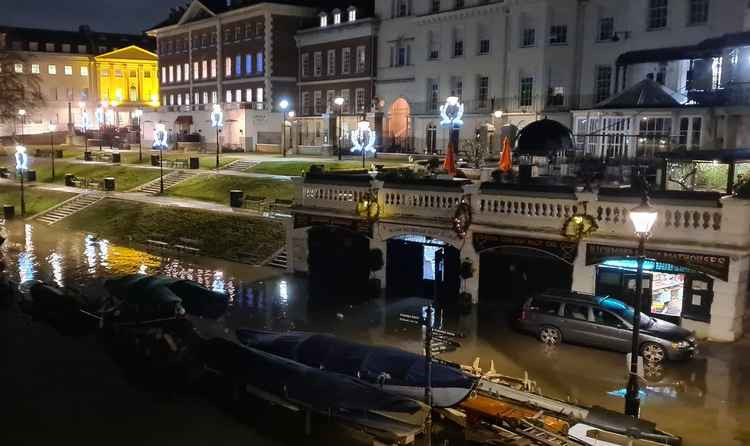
point(676, 285)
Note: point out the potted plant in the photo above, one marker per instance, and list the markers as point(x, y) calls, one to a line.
point(742, 187)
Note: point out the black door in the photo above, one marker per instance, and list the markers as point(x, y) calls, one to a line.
point(404, 269)
point(337, 263)
point(697, 297)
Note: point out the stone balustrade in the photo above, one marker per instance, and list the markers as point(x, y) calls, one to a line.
point(336, 197)
point(419, 203)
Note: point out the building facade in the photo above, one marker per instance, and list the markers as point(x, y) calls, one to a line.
point(66, 63)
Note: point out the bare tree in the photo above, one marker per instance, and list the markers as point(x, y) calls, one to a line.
point(17, 90)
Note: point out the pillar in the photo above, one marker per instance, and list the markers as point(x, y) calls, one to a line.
point(468, 253)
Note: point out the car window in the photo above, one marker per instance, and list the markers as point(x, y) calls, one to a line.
point(577, 311)
point(545, 306)
point(606, 318)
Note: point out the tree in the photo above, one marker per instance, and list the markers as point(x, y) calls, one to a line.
point(17, 90)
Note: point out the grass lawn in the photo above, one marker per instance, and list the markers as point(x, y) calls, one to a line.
point(216, 188)
point(125, 178)
point(206, 160)
point(221, 235)
point(37, 200)
point(293, 168)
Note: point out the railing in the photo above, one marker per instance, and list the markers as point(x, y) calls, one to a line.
point(432, 204)
point(336, 197)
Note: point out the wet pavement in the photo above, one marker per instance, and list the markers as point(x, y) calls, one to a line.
point(705, 401)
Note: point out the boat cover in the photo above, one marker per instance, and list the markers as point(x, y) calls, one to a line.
point(375, 364)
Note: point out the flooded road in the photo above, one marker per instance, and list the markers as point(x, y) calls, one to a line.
point(706, 401)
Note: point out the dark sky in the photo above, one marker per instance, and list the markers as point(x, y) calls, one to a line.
point(125, 16)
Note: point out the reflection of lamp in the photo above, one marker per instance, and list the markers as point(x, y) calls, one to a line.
point(22, 114)
point(160, 142)
point(339, 101)
point(643, 218)
point(368, 207)
point(363, 139)
point(217, 122)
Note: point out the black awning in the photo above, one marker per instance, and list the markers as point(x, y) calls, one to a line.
point(184, 120)
point(659, 55)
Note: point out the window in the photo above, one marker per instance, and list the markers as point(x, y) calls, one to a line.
point(330, 94)
point(259, 62)
point(229, 96)
point(360, 68)
point(186, 71)
point(529, 37)
point(607, 318)
point(657, 14)
point(171, 99)
point(654, 134)
point(306, 64)
point(196, 71)
point(248, 30)
point(238, 65)
point(318, 102)
point(346, 56)
point(458, 43)
point(323, 20)
point(457, 87)
point(249, 94)
point(237, 33)
point(179, 99)
point(556, 96)
point(483, 90)
point(33, 46)
point(541, 306)
point(484, 46)
point(331, 62)
point(433, 90)
point(69, 71)
point(259, 95)
point(400, 55)
point(606, 28)
point(434, 49)
point(205, 97)
point(317, 64)
point(698, 13)
point(196, 44)
point(179, 73)
point(306, 110)
point(526, 91)
point(171, 74)
point(347, 102)
point(147, 74)
point(577, 312)
point(238, 95)
point(558, 34)
point(459, 4)
point(187, 98)
point(227, 67)
point(213, 38)
point(18, 68)
point(402, 8)
point(205, 69)
point(65, 47)
point(82, 49)
point(259, 28)
point(690, 133)
point(603, 81)
point(49, 47)
point(248, 63)
point(214, 97)
point(352, 14)
point(661, 73)
point(196, 98)
point(35, 68)
point(359, 99)
point(213, 68)
point(435, 7)
point(84, 71)
point(227, 35)
point(52, 69)
point(336, 16)
point(204, 40)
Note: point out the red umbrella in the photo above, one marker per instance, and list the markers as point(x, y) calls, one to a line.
point(450, 161)
point(506, 164)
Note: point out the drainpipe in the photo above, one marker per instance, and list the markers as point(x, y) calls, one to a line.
point(578, 53)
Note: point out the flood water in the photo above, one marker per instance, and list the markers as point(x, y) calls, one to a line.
point(706, 401)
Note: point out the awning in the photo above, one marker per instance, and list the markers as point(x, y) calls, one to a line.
point(646, 93)
point(184, 120)
point(658, 55)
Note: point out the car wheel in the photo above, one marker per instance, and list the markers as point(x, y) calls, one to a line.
point(550, 335)
point(653, 353)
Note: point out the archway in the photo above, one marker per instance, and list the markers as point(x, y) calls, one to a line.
point(399, 127)
point(338, 263)
point(419, 266)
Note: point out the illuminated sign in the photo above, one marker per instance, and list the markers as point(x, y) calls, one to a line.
point(363, 138)
point(160, 136)
point(217, 117)
point(452, 113)
point(22, 159)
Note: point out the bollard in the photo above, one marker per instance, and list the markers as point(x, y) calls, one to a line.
point(236, 198)
point(58, 153)
point(109, 184)
point(9, 211)
point(87, 156)
point(69, 179)
point(116, 157)
point(154, 159)
point(194, 162)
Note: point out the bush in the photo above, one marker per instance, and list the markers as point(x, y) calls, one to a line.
point(742, 187)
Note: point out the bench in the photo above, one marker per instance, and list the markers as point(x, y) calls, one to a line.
point(255, 202)
point(279, 205)
point(157, 243)
point(188, 244)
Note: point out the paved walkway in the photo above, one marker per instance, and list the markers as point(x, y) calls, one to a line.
point(199, 171)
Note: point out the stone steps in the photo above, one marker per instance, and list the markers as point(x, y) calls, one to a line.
point(240, 165)
point(70, 207)
point(170, 179)
point(279, 260)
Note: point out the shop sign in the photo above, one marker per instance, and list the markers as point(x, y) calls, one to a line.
point(387, 231)
point(563, 250)
point(713, 265)
point(307, 220)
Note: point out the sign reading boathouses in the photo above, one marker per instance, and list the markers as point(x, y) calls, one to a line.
point(306, 220)
point(713, 265)
point(563, 250)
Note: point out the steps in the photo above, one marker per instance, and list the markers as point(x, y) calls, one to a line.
point(278, 259)
point(70, 207)
point(240, 165)
point(170, 179)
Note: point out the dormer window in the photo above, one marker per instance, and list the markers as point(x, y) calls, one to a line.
point(352, 13)
point(323, 20)
point(336, 16)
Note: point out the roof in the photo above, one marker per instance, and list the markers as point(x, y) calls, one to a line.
point(83, 36)
point(646, 93)
point(706, 48)
point(131, 52)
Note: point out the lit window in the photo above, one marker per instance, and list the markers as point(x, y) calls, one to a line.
point(352, 13)
point(68, 70)
point(227, 67)
point(249, 95)
point(336, 16)
point(179, 99)
point(323, 20)
point(229, 96)
point(186, 71)
point(238, 95)
point(205, 97)
point(196, 71)
point(52, 69)
point(179, 73)
point(18, 68)
point(171, 73)
point(213, 68)
point(205, 69)
point(163, 75)
point(187, 98)
point(259, 97)
point(214, 97)
point(84, 71)
point(171, 99)
point(197, 98)
point(238, 65)
point(35, 68)
point(259, 63)
point(248, 63)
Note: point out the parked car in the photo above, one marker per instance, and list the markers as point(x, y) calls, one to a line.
point(605, 322)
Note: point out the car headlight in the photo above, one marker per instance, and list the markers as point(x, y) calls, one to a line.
point(681, 344)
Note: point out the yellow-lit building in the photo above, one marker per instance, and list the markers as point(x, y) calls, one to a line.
point(127, 79)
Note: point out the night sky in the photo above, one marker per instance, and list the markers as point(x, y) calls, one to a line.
point(124, 16)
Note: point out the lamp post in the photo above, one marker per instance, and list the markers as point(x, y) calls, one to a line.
point(84, 125)
point(643, 218)
point(52, 128)
point(217, 122)
point(138, 113)
point(284, 104)
point(364, 139)
point(290, 116)
point(160, 142)
point(22, 114)
point(339, 101)
point(22, 163)
point(99, 113)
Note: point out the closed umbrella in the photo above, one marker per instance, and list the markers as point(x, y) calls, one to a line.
point(506, 164)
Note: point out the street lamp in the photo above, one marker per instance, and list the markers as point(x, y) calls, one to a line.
point(138, 113)
point(643, 217)
point(363, 139)
point(340, 102)
point(22, 114)
point(52, 128)
point(160, 142)
point(22, 163)
point(290, 116)
point(284, 104)
point(217, 122)
point(452, 113)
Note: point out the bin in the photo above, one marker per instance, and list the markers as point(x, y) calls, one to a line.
point(9, 211)
point(116, 157)
point(154, 159)
point(194, 162)
point(524, 173)
point(87, 156)
point(109, 184)
point(30, 175)
point(69, 179)
point(58, 153)
point(236, 198)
